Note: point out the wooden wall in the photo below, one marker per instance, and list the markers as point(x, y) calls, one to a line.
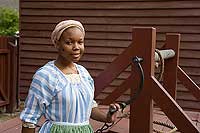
point(108, 32)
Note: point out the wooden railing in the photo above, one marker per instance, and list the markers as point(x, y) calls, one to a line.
point(188, 83)
point(8, 73)
point(4, 72)
point(141, 116)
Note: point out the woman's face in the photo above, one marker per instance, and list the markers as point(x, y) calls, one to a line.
point(71, 44)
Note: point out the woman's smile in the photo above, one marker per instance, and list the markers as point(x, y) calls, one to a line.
point(76, 55)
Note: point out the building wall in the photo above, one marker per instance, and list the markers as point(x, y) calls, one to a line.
point(108, 25)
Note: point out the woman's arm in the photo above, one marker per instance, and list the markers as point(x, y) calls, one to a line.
point(98, 115)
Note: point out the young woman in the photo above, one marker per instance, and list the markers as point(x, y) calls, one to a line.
point(63, 91)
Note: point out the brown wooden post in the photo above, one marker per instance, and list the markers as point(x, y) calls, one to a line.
point(170, 74)
point(4, 71)
point(13, 75)
point(141, 117)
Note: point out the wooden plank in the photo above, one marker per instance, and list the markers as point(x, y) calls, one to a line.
point(114, 20)
point(108, 35)
point(24, 83)
point(116, 13)
point(190, 54)
point(193, 46)
point(29, 69)
point(28, 64)
point(190, 46)
point(38, 55)
point(33, 62)
point(186, 96)
point(91, 42)
point(4, 51)
point(51, 56)
point(181, 88)
point(189, 105)
point(116, 28)
point(189, 62)
point(10, 124)
point(191, 70)
point(36, 41)
point(89, 49)
point(14, 129)
point(90, 66)
point(3, 103)
point(118, 92)
point(109, 4)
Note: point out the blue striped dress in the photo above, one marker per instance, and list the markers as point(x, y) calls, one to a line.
point(53, 95)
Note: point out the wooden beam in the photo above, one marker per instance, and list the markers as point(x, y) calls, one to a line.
point(118, 92)
point(141, 112)
point(188, 83)
point(170, 65)
point(113, 70)
point(169, 106)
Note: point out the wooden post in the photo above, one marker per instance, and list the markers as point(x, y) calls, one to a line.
point(170, 74)
point(13, 76)
point(141, 117)
point(4, 71)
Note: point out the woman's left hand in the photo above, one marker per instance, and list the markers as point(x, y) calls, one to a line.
point(112, 116)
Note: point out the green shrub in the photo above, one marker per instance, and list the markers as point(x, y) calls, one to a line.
point(9, 21)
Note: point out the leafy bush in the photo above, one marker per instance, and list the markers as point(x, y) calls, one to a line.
point(9, 21)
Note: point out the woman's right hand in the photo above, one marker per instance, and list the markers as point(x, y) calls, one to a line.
point(113, 112)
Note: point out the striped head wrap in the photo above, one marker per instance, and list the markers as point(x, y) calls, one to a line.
point(63, 25)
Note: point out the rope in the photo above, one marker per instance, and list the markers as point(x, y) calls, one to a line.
point(162, 65)
point(173, 129)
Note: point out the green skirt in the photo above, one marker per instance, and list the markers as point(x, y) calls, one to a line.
point(71, 129)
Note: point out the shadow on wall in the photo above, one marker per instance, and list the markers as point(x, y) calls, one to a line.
point(10, 3)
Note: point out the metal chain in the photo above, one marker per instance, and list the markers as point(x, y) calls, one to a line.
point(104, 127)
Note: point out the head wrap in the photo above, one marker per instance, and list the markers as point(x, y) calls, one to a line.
point(63, 25)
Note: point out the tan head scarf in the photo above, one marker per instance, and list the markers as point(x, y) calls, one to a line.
point(63, 25)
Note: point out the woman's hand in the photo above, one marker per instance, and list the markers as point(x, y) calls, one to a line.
point(112, 116)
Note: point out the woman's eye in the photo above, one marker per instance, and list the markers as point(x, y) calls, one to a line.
point(81, 42)
point(68, 43)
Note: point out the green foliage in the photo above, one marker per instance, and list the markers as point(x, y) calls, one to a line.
point(9, 21)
